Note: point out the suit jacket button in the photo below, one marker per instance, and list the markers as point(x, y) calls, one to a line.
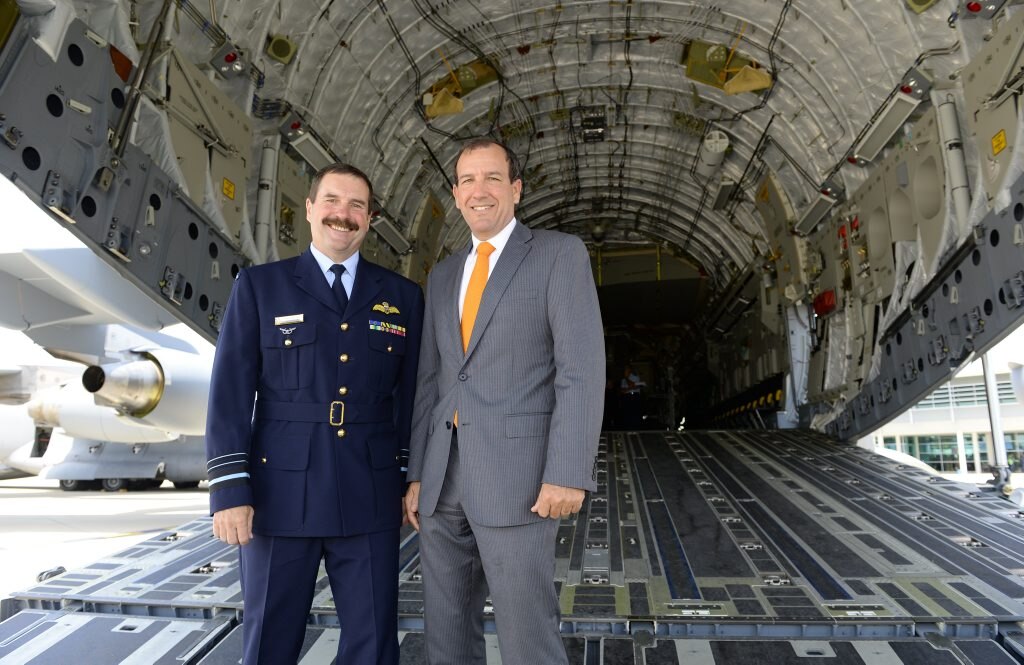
point(343, 357)
point(343, 390)
point(287, 342)
point(344, 327)
point(463, 377)
point(341, 433)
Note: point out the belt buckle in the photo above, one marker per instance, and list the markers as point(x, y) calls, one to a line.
point(330, 415)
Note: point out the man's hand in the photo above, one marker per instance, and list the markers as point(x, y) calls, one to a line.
point(411, 506)
point(556, 502)
point(233, 525)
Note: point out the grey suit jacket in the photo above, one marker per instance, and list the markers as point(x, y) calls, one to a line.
point(529, 390)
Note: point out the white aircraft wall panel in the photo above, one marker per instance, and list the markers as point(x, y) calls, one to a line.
point(292, 232)
point(210, 133)
point(871, 255)
point(192, 157)
point(916, 183)
point(828, 258)
point(788, 249)
point(992, 110)
point(816, 369)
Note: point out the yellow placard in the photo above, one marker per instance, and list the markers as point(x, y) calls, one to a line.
point(228, 188)
point(999, 142)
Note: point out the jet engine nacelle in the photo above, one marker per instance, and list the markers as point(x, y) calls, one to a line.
point(162, 388)
point(75, 411)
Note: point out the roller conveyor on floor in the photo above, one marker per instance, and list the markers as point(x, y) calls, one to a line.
point(704, 547)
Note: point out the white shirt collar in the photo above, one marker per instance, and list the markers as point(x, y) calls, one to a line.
point(498, 241)
point(325, 262)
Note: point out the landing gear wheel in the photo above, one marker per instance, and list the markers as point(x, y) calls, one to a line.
point(186, 484)
point(144, 484)
point(115, 484)
point(78, 485)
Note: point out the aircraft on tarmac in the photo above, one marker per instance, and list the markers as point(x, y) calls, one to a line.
point(802, 216)
point(51, 426)
point(54, 290)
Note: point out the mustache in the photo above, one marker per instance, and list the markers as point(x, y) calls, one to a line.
point(344, 222)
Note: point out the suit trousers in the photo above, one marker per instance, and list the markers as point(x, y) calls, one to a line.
point(278, 579)
point(461, 560)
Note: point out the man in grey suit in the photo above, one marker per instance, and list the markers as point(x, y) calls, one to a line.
point(509, 400)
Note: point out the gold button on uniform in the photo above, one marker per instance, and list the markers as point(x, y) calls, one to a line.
point(288, 342)
point(389, 348)
point(344, 327)
point(264, 460)
point(341, 433)
point(343, 390)
point(343, 357)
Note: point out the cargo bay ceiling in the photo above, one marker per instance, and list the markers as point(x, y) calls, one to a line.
point(788, 201)
point(607, 103)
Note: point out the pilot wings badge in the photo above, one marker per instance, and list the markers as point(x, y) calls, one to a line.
point(386, 308)
point(287, 331)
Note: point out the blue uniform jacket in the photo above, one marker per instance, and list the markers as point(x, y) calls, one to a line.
point(310, 409)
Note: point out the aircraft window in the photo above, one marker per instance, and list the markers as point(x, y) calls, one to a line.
point(988, 307)
point(193, 231)
point(976, 257)
point(1018, 212)
point(214, 250)
point(155, 202)
point(899, 339)
point(117, 97)
point(993, 238)
point(958, 277)
point(188, 291)
point(234, 270)
point(204, 302)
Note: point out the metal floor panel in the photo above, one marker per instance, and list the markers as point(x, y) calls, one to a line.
point(707, 536)
point(37, 637)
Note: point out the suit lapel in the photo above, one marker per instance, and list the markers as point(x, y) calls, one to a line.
point(451, 286)
point(512, 256)
point(310, 279)
point(366, 287)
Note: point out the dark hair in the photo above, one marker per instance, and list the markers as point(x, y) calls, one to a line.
point(486, 142)
point(339, 168)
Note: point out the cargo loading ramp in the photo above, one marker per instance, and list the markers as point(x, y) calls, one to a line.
point(704, 547)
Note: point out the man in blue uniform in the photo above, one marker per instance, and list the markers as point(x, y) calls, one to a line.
point(308, 431)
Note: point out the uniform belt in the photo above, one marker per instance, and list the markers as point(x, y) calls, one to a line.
point(335, 413)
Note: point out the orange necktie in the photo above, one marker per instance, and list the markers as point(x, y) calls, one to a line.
point(475, 291)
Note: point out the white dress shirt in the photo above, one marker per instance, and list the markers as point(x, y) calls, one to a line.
point(498, 242)
point(348, 278)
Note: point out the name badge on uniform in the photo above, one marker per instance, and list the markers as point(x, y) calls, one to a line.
point(285, 320)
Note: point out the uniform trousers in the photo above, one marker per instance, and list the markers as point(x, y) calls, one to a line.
point(462, 560)
point(278, 579)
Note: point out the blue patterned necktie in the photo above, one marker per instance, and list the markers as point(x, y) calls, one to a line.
point(338, 287)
